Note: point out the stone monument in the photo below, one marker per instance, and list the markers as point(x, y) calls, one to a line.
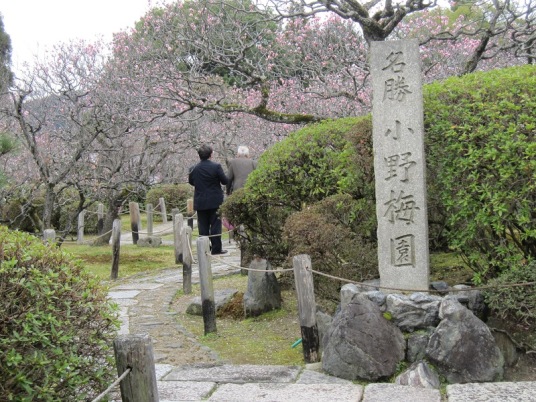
point(399, 165)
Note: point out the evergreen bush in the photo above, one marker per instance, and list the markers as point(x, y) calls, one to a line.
point(175, 196)
point(56, 324)
point(481, 152)
point(313, 163)
point(515, 305)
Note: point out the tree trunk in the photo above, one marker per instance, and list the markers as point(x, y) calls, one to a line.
point(48, 208)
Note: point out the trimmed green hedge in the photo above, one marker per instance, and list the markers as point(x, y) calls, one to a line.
point(481, 144)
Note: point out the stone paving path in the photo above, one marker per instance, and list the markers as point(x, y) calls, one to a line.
point(188, 371)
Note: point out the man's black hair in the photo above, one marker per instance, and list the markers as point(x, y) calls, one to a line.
point(204, 152)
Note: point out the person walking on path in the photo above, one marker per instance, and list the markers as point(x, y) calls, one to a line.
point(239, 169)
point(207, 177)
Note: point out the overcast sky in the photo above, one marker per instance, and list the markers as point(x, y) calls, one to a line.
point(35, 25)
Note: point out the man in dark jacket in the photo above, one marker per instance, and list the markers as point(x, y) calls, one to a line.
point(207, 177)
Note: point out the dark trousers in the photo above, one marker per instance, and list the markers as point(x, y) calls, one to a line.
point(209, 224)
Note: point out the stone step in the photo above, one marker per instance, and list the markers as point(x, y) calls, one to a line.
point(241, 383)
point(252, 383)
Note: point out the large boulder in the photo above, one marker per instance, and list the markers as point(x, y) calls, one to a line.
point(361, 343)
point(462, 347)
point(263, 292)
point(417, 311)
point(417, 343)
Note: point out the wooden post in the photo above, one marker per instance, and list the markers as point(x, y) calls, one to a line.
point(100, 219)
point(49, 236)
point(187, 260)
point(134, 221)
point(149, 219)
point(190, 211)
point(136, 352)
point(243, 250)
point(162, 204)
point(178, 223)
point(306, 307)
point(207, 290)
point(80, 237)
point(116, 245)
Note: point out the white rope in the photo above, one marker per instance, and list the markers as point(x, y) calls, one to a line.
point(123, 376)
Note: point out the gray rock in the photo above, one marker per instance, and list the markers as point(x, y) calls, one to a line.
point(462, 347)
point(263, 292)
point(348, 291)
point(361, 343)
point(473, 300)
point(377, 297)
point(419, 375)
point(323, 322)
point(417, 311)
point(439, 285)
point(221, 299)
point(149, 241)
point(417, 343)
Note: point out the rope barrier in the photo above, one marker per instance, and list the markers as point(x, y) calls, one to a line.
point(420, 290)
point(450, 290)
point(89, 241)
point(250, 269)
point(163, 231)
point(114, 384)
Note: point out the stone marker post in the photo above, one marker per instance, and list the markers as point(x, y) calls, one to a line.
point(149, 208)
point(162, 205)
point(399, 165)
point(134, 209)
point(81, 224)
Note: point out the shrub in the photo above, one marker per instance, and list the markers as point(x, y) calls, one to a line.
point(56, 325)
point(515, 305)
point(338, 236)
point(175, 196)
point(311, 164)
point(481, 142)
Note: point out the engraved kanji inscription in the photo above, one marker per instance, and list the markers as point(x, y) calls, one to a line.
point(401, 208)
point(403, 250)
point(396, 89)
point(396, 131)
point(395, 63)
point(398, 166)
